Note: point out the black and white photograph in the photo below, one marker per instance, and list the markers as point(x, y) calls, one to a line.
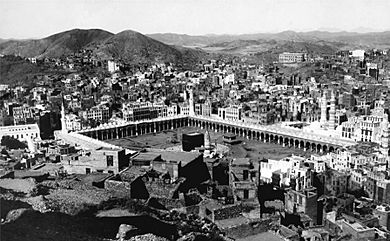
point(194, 120)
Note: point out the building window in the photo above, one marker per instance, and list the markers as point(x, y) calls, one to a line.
point(110, 161)
point(245, 175)
point(87, 170)
point(246, 194)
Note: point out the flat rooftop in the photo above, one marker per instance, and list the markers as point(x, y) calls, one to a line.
point(194, 134)
point(88, 143)
point(147, 156)
point(178, 156)
point(266, 236)
point(19, 128)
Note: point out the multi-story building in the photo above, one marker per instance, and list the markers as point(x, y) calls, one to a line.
point(377, 186)
point(244, 178)
point(112, 66)
point(3, 116)
point(366, 128)
point(21, 132)
point(203, 109)
point(357, 54)
point(287, 57)
point(72, 122)
point(184, 109)
point(290, 171)
point(136, 111)
point(337, 183)
point(99, 113)
point(23, 114)
point(172, 110)
point(104, 160)
point(357, 179)
point(231, 113)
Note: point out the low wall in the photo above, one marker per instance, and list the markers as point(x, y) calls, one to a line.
point(117, 186)
point(248, 229)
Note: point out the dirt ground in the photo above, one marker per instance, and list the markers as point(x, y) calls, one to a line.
point(247, 148)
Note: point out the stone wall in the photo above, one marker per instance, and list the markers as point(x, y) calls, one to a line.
point(231, 211)
point(248, 229)
point(117, 186)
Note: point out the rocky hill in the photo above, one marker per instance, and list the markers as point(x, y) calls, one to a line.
point(129, 46)
point(56, 45)
point(136, 47)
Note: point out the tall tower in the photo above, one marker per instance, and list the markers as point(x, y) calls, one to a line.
point(385, 136)
point(323, 109)
point(207, 140)
point(191, 102)
point(295, 108)
point(332, 112)
point(63, 122)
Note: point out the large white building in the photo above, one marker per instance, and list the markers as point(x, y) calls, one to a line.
point(358, 54)
point(286, 170)
point(287, 57)
point(112, 66)
point(21, 132)
point(203, 109)
point(72, 122)
point(231, 113)
point(135, 111)
point(99, 113)
point(366, 128)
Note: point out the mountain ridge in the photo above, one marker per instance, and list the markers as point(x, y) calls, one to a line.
point(368, 39)
point(128, 45)
point(55, 45)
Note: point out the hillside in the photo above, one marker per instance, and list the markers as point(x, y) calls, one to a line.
point(17, 71)
point(134, 47)
point(129, 46)
point(56, 45)
point(274, 47)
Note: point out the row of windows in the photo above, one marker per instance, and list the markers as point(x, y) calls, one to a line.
point(22, 136)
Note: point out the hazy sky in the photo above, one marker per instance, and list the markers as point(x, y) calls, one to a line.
point(40, 18)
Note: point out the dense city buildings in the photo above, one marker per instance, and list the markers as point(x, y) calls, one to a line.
point(291, 144)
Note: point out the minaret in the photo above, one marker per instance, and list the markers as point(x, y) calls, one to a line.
point(191, 102)
point(63, 123)
point(332, 112)
point(385, 136)
point(323, 109)
point(207, 142)
point(295, 109)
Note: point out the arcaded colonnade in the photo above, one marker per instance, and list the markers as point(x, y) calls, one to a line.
point(135, 129)
point(249, 132)
point(266, 136)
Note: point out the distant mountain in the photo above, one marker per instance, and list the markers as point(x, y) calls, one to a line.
point(268, 50)
point(3, 40)
point(190, 40)
point(378, 39)
point(56, 45)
